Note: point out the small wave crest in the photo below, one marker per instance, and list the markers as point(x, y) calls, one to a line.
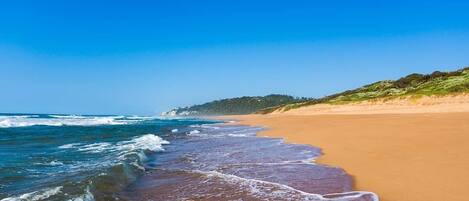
point(52, 163)
point(18, 116)
point(196, 133)
point(150, 142)
point(95, 147)
point(142, 117)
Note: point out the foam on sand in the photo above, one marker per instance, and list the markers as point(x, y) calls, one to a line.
point(275, 191)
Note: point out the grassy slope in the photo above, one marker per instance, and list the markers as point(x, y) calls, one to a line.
point(415, 85)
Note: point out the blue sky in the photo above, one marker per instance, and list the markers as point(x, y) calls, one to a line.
point(129, 57)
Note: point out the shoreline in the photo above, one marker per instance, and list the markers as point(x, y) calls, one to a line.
point(398, 156)
point(222, 162)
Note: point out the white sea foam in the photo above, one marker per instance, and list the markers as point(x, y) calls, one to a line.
point(7, 122)
point(192, 132)
point(63, 120)
point(36, 195)
point(238, 135)
point(148, 142)
point(174, 130)
point(142, 117)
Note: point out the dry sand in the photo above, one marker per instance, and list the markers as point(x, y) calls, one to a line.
point(418, 153)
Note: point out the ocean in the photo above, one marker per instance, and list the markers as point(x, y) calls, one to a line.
point(108, 157)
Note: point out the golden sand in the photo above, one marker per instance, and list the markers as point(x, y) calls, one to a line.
point(401, 157)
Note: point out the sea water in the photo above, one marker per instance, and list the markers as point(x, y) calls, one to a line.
point(76, 157)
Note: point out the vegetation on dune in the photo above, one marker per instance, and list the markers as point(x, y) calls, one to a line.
point(241, 105)
point(415, 85)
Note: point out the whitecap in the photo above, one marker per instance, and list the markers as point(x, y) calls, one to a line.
point(149, 142)
point(64, 120)
point(72, 116)
point(68, 146)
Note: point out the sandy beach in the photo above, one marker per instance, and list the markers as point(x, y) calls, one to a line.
point(411, 151)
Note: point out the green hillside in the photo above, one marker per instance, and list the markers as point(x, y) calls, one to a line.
point(240, 105)
point(416, 85)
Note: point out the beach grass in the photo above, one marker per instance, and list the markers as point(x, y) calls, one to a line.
point(412, 86)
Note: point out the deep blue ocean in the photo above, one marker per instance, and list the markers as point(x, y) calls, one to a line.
point(105, 158)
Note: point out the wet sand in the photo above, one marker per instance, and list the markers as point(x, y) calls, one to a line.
point(401, 157)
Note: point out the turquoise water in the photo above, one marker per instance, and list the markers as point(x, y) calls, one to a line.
point(66, 157)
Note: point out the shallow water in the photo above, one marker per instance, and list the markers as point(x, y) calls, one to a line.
point(219, 162)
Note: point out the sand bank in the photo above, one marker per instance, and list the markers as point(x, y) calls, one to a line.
point(444, 104)
point(403, 156)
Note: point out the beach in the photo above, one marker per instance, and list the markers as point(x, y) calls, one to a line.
point(403, 152)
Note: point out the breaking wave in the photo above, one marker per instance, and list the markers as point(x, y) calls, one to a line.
point(123, 161)
point(148, 142)
point(63, 120)
point(36, 195)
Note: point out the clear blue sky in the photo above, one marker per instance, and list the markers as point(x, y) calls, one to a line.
point(129, 57)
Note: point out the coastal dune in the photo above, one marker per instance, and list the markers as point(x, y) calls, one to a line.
point(404, 105)
point(407, 150)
